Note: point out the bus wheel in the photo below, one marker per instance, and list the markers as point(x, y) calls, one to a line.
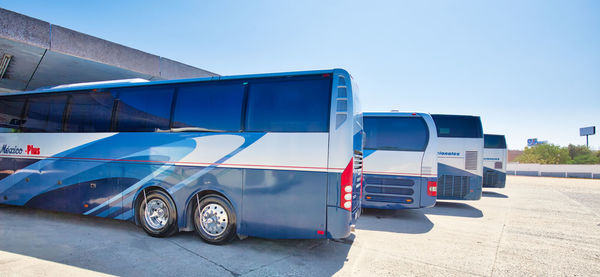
point(156, 213)
point(214, 219)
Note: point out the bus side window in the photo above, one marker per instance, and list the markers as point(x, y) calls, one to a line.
point(45, 113)
point(289, 105)
point(143, 109)
point(211, 107)
point(89, 112)
point(10, 116)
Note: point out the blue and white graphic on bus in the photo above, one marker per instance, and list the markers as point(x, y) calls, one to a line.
point(400, 161)
point(283, 150)
point(495, 155)
point(460, 156)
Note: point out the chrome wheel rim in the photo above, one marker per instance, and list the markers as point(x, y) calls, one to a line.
point(156, 214)
point(213, 219)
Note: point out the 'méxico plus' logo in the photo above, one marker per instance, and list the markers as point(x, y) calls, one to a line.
point(15, 150)
point(32, 150)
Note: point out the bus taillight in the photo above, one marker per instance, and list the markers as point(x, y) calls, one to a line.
point(346, 182)
point(432, 188)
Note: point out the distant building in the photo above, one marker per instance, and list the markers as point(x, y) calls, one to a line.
point(513, 154)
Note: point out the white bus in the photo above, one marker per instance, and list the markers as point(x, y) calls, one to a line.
point(460, 156)
point(495, 155)
point(270, 155)
point(400, 160)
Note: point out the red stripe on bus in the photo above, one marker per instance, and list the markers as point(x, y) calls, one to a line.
point(169, 162)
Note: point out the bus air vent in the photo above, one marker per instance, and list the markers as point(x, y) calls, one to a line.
point(471, 160)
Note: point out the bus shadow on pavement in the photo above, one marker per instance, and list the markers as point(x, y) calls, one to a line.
point(121, 248)
point(457, 209)
point(493, 194)
point(268, 257)
point(408, 221)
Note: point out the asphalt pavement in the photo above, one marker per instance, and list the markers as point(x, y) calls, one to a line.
point(535, 226)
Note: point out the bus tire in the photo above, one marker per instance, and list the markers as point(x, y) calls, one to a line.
point(214, 219)
point(160, 219)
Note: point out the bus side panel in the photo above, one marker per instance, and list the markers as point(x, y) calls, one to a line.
point(345, 145)
point(284, 203)
point(429, 165)
point(285, 173)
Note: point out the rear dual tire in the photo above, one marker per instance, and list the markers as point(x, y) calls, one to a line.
point(214, 219)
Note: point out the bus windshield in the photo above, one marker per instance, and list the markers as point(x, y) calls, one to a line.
point(458, 126)
point(396, 133)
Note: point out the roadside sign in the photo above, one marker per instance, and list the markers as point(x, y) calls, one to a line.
point(532, 141)
point(587, 131)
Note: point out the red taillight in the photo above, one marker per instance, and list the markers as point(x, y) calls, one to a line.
point(432, 188)
point(346, 182)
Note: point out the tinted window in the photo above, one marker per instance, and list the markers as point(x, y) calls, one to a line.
point(494, 141)
point(10, 113)
point(458, 126)
point(143, 109)
point(45, 113)
point(90, 112)
point(212, 106)
point(298, 104)
point(396, 133)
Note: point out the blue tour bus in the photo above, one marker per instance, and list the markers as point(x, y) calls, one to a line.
point(460, 156)
point(495, 155)
point(272, 155)
point(400, 160)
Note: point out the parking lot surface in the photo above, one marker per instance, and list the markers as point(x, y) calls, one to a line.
point(535, 226)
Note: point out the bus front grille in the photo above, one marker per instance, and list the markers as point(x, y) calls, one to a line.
point(394, 189)
point(490, 178)
point(453, 186)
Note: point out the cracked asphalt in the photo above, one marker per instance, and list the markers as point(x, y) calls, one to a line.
point(535, 226)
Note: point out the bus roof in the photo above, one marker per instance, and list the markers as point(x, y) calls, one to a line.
point(455, 115)
point(394, 113)
point(119, 84)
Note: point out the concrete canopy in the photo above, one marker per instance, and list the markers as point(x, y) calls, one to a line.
point(42, 55)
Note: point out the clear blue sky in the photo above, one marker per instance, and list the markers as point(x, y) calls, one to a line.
point(528, 68)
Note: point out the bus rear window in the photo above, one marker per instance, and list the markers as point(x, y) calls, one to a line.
point(494, 141)
point(396, 133)
point(458, 126)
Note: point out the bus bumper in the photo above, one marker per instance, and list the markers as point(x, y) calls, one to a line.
point(340, 222)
